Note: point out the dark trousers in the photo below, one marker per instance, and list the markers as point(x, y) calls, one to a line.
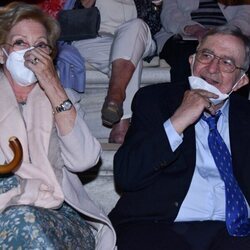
point(154, 235)
point(176, 53)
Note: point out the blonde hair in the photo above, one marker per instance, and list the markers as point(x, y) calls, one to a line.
point(15, 12)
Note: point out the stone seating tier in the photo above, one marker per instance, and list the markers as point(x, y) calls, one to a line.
point(99, 179)
point(156, 71)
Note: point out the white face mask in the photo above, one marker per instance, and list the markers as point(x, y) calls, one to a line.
point(196, 82)
point(15, 64)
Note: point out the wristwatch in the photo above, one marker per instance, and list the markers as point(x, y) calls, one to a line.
point(64, 106)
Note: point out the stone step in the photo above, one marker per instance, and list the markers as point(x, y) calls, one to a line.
point(151, 73)
point(98, 181)
point(92, 101)
point(156, 71)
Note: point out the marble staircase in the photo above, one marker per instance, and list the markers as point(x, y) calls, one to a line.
point(98, 180)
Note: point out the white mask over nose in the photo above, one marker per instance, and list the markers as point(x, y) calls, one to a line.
point(19, 72)
point(196, 82)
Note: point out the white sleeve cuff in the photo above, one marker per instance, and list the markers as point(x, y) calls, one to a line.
point(173, 137)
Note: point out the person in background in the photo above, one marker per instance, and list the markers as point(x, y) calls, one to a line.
point(185, 180)
point(43, 203)
point(50, 6)
point(185, 22)
point(124, 40)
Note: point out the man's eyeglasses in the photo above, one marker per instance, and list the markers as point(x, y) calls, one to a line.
point(20, 45)
point(225, 64)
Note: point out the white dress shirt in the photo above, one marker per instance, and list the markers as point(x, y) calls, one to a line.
point(205, 199)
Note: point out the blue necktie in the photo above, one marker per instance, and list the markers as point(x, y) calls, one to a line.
point(236, 209)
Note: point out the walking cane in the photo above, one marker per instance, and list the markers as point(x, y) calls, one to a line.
point(17, 149)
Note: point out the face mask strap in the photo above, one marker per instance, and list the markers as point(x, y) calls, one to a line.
point(30, 48)
point(236, 84)
point(192, 65)
point(4, 51)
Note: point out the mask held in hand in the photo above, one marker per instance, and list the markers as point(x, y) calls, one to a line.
point(198, 83)
point(15, 64)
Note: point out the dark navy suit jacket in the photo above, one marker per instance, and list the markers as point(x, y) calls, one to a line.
point(152, 179)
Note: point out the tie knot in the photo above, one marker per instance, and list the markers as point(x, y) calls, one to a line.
point(212, 120)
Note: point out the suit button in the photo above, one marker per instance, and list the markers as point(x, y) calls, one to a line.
point(176, 204)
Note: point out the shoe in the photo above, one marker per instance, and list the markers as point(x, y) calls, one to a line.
point(119, 131)
point(111, 112)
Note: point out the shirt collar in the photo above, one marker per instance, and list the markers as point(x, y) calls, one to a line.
point(224, 109)
point(224, 112)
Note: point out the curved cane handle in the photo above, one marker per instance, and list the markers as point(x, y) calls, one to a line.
point(17, 149)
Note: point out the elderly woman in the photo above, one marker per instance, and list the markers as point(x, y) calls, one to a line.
point(43, 203)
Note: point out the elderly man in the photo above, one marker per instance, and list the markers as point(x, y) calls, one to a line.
point(185, 180)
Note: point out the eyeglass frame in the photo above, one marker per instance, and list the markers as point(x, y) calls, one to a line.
point(219, 59)
point(29, 46)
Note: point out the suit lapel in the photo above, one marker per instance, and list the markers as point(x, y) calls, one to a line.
point(239, 132)
point(189, 147)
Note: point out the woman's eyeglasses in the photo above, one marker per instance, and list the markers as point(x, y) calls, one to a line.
point(21, 45)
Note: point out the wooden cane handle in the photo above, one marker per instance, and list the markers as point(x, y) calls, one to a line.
point(17, 149)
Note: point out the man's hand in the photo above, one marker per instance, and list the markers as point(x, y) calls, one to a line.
point(193, 104)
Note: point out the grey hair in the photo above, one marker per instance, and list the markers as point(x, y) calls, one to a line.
point(233, 31)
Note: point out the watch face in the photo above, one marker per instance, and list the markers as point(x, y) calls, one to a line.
point(67, 105)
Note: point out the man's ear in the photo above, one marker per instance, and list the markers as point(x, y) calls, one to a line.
point(191, 59)
point(244, 80)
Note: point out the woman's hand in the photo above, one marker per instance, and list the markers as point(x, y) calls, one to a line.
point(41, 63)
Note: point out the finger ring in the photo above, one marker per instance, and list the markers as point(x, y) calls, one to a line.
point(209, 105)
point(35, 61)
